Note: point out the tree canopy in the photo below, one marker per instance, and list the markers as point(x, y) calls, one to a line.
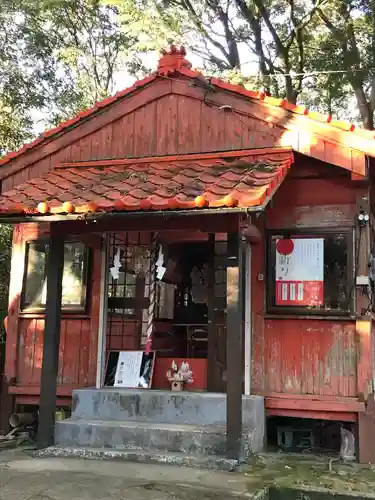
point(58, 57)
point(320, 52)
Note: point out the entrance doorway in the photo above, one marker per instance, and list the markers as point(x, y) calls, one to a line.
point(189, 316)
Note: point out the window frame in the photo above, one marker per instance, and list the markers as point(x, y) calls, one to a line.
point(158, 309)
point(138, 302)
point(67, 309)
point(270, 285)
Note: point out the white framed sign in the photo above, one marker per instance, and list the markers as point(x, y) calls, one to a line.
point(129, 369)
point(300, 272)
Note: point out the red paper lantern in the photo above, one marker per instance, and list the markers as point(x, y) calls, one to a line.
point(285, 246)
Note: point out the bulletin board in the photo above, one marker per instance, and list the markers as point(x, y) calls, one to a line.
point(300, 272)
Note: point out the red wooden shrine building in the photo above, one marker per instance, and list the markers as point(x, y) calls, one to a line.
point(264, 214)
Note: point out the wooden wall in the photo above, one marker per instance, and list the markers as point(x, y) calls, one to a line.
point(79, 332)
point(162, 119)
point(159, 120)
point(304, 355)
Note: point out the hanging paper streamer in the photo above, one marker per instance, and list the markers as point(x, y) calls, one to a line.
point(160, 269)
point(115, 270)
point(300, 272)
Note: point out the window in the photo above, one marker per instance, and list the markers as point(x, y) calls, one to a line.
point(165, 298)
point(74, 286)
point(310, 272)
point(127, 277)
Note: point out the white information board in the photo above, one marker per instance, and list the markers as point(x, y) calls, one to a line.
point(305, 263)
point(300, 273)
point(128, 369)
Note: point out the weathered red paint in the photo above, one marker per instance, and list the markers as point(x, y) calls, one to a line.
point(305, 357)
point(298, 357)
point(309, 357)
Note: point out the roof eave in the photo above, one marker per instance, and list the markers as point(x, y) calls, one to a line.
point(94, 217)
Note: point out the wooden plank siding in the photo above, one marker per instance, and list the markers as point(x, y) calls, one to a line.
point(304, 356)
point(155, 125)
point(79, 332)
point(289, 355)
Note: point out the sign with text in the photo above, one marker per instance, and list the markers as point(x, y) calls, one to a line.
point(128, 369)
point(300, 272)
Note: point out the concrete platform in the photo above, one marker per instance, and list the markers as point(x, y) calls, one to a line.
point(159, 426)
point(191, 439)
point(187, 408)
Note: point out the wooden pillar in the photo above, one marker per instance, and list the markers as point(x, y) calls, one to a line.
point(211, 333)
point(363, 308)
point(235, 326)
point(247, 318)
point(103, 314)
point(363, 325)
point(51, 341)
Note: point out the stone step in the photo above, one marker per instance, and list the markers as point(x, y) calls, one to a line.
point(177, 459)
point(195, 408)
point(156, 437)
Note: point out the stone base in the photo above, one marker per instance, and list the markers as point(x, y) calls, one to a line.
point(164, 438)
point(155, 425)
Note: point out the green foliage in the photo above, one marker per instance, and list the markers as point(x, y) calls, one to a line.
point(319, 52)
point(57, 57)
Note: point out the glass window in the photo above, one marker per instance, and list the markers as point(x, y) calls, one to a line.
point(310, 272)
point(127, 275)
point(74, 286)
point(165, 299)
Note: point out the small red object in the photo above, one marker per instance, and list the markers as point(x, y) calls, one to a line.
point(285, 246)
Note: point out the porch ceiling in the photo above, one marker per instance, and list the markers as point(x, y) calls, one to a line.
point(243, 179)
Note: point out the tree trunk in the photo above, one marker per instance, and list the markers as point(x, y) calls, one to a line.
point(364, 107)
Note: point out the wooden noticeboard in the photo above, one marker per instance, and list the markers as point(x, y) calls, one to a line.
point(129, 369)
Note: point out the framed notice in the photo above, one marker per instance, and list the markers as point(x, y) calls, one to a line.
point(129, 369)
point(300, 272)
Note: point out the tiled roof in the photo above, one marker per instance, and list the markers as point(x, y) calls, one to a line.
point(233, 179)
point(173, 62)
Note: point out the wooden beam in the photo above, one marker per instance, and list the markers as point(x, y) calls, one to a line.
point(51, 342)
point(309, 404)
point(212, 334)
point(362, 301)
point(363, 327)
point(247, 318)
point(235, 154)
point(317, 415)
point(235, 327)
point(208, 223)
point(103, 313)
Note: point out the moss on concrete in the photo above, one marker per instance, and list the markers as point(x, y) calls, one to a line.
point(309, 473)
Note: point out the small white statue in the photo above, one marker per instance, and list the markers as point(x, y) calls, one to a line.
point(179, 376)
